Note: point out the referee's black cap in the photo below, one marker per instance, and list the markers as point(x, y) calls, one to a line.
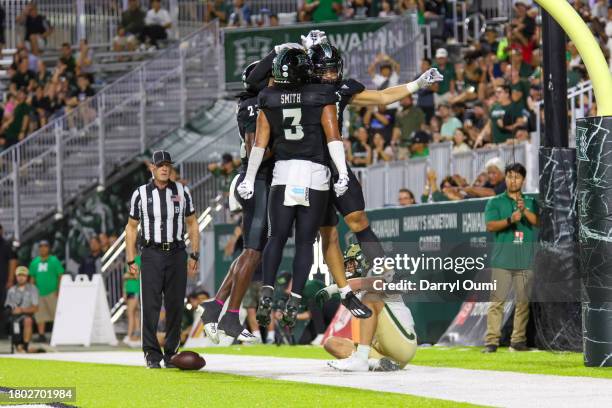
point(161, 156)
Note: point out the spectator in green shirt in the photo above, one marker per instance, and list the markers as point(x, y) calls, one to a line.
point(408, 120)
point(447, 192)
point(513, 218)
point(517, 62)
point(446, 88)
point(320, 11)
point(419, 146)
point(133, 19)
point(131, 295)
point(46, 271)
point(505, 116)
point(16, 127)
point(224, 172)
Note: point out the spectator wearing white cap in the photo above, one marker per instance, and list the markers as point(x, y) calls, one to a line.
point(495, 184)
point(446, 88)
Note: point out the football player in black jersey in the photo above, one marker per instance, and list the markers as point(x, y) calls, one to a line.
point(328, 68)
point(254, 229)
point(299, 121)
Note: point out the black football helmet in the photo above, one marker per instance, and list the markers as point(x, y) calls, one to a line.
point(325, 57)
point(291, 66)
point(245, 74)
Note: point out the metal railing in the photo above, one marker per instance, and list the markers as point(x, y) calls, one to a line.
point(98, 20)
point(401, 39)
point(55, 164)
point(196, 10)
point(580, 100)
point(495, 11)
point(459, 20)
point(381, 182)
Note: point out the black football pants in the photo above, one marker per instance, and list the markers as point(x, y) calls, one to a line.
point(307, 223)
point(163, 276)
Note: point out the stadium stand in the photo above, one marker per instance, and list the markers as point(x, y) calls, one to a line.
point(172, 99)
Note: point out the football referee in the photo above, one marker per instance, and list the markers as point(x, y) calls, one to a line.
point(163, 209)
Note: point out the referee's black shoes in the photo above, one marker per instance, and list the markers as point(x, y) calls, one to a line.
point(168, 363)
point(153, 364)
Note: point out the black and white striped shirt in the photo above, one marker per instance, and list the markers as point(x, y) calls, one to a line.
point(161, 212)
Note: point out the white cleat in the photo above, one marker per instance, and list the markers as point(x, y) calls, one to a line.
point(224, 339)
point(211, 332)
point(248, 338)
point(245, 337)
point(349, 364)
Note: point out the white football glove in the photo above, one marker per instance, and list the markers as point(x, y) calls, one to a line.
point(290, 45)
point(341, 185)
point(313, 38)
point(245, 189)
point(429, 77)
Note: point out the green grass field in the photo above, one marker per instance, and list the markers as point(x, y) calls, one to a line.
point(105, 385)
point(102, 385)
point(535, 362)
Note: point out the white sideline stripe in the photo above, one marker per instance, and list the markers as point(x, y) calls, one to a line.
point(493, 388)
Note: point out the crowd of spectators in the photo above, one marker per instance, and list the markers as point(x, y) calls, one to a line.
point(37, 93)
point(490, 95)
point(140, 29)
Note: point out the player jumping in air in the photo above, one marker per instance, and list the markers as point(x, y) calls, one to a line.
point(328, 69)
point(299, 121)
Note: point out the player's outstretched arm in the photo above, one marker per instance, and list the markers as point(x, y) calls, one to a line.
point(395, 93)
point(262, 138)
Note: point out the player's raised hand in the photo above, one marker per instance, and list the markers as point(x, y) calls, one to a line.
point(429, 77)
point(245, 189)
point(313, 38)
point(341, 185)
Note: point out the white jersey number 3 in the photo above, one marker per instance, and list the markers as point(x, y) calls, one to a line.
point(291, 124)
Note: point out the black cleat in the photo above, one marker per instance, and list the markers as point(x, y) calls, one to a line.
point(263, 311)
point(489, 349)
point(354, 305)
point(230, 326)
point(265, 306)
point(290, 312)
point(386, 364)
point(212, 310)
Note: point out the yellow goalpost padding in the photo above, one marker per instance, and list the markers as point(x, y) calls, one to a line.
point(587, 47)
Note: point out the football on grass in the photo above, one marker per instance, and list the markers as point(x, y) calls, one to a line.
point(188, 360)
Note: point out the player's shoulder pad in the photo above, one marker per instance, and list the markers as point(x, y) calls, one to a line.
point(248, 100)
point(350, 87)
point(319, 95)
point(264, 98)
